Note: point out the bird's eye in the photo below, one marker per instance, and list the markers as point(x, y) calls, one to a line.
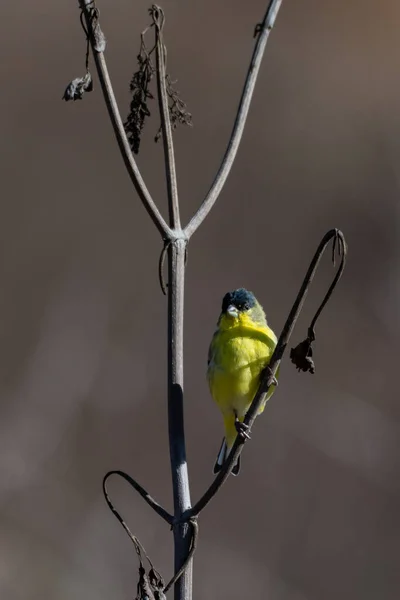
point(243, 306)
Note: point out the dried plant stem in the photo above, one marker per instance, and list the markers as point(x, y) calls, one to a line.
point(262, 32)
point(116, 121)
point(170, 169)
point(145, 495)
point(184, 517)
point(189, 555)
point(175, 240)
point(179, 470)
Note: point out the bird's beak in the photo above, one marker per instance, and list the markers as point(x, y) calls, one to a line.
point(232, 311)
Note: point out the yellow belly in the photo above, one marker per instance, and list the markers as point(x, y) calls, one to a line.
point(235, 367)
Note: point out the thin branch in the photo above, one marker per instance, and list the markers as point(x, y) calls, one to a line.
point(91, 17)
point(145, 495)
point(269, 373)
point(170, 170)
point(262, 31)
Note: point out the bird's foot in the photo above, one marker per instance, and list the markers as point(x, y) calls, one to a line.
point(272, 380)
point(242, 429)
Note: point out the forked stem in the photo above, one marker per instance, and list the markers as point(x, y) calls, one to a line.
point(89, 12)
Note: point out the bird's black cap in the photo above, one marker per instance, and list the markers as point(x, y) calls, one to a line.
point(241, 298)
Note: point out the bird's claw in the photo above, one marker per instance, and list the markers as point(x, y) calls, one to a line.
point(242, 429)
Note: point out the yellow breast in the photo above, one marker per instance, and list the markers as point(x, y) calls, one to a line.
point(237, 357)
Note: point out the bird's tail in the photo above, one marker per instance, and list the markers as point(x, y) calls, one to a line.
point(221, 458)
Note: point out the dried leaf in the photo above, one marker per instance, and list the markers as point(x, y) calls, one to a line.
point(77, 87)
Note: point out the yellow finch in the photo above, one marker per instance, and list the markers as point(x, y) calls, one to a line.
point(240, 349)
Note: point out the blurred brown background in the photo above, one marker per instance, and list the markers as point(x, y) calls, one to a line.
point(315, 512)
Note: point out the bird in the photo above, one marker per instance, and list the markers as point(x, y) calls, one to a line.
point(240, 350)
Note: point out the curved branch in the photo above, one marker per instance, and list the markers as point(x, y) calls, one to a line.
point(150, 501)
point(262, 31)
point(342, 249)
point(88, 8)
point(269, 373)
